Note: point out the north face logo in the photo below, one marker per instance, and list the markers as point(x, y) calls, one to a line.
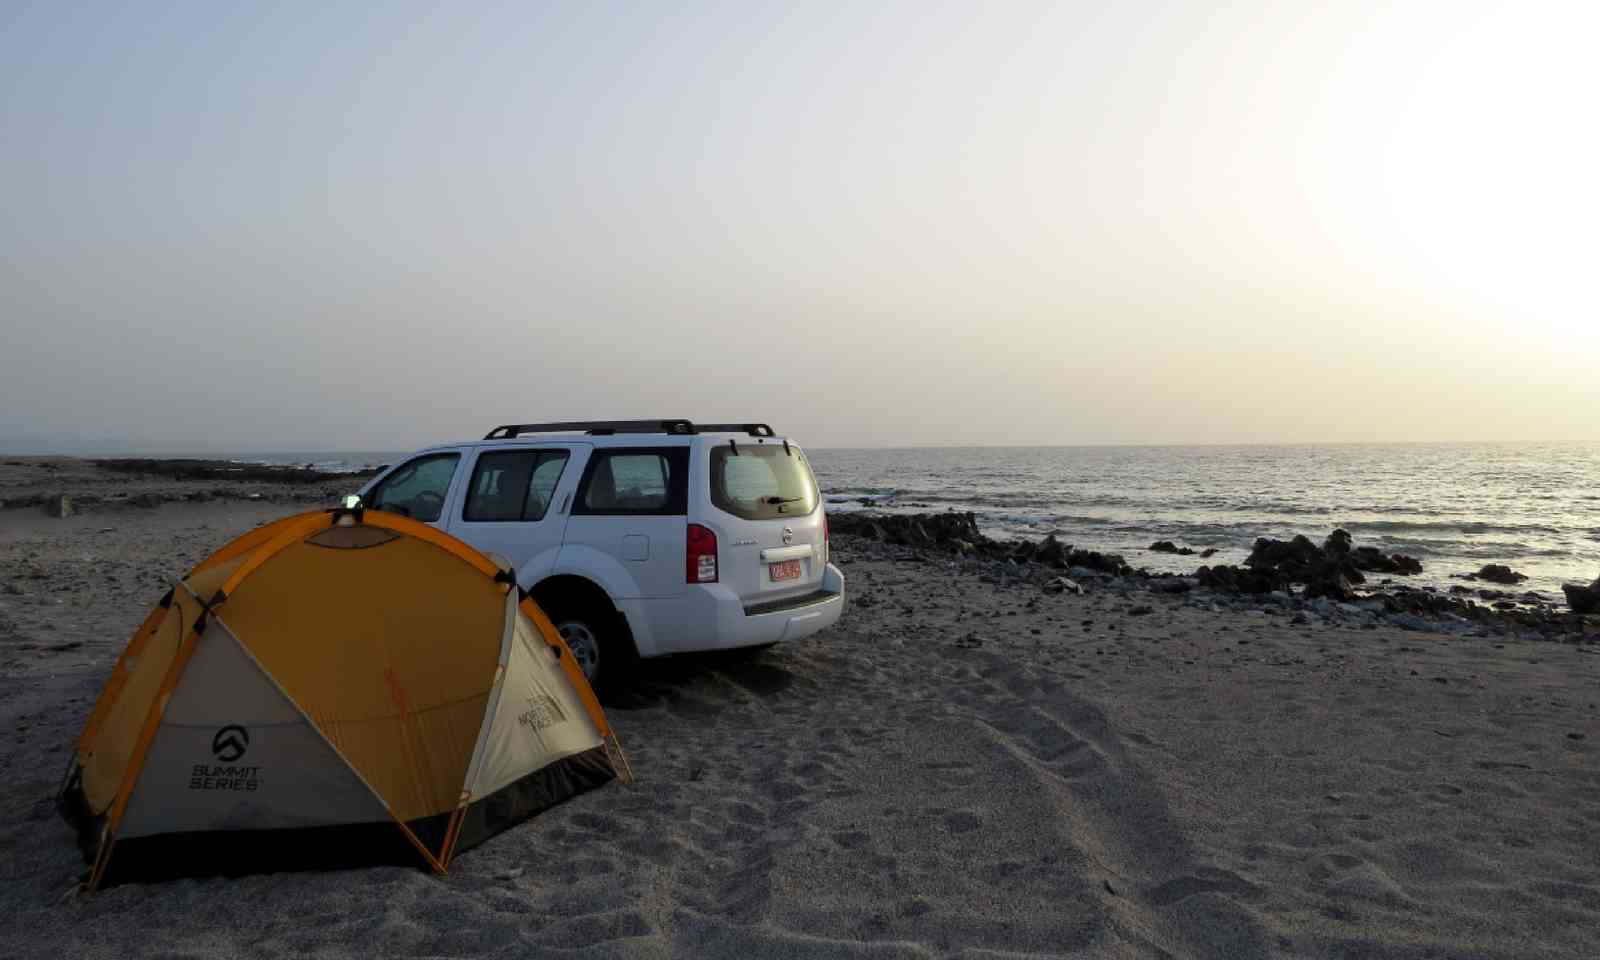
point(230, 743)
point(542, 712)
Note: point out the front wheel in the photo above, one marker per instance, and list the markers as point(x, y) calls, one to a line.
point(585, 646)
point(600, 646)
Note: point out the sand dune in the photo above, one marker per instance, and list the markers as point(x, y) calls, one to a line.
point(958, 770)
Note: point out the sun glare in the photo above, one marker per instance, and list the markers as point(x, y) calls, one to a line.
point(1482, 192)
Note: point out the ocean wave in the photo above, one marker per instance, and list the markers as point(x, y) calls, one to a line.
point(1455, 507)
point(322, 466)
point(831, 492)
point(1458, 526)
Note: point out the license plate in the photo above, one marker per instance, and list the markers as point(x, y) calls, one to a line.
point(785, 570)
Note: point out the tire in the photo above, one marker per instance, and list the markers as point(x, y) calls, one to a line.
point(600, 646)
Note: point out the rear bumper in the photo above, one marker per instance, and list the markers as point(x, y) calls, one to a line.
point(711, 617)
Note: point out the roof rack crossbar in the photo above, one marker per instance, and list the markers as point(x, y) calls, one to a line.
point(596, 427)
point(609, 427)
point(753, 429)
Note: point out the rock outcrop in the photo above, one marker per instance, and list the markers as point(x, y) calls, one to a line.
point(1500, 573)
point(958, 533)
point(1583, 600)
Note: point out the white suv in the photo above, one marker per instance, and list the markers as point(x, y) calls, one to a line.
point(639, 538)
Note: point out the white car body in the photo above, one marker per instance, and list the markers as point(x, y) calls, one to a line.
point(580, 529)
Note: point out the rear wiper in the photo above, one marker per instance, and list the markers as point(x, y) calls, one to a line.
point(782, 499)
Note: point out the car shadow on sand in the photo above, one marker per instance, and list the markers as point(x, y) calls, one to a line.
point(699, 683)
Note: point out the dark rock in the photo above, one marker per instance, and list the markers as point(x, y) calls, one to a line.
point(1208, 552)
point(1406, 566)
point(1581, 599)
point(1500, 573)
point(1167, 546)
point(1332, 570)
point(1052, 552)
point(1230, 579)
point(920, 530)
point(1289, 557)
point(1338, 543)
point(59, 505)
point(1140, 610)
point(1330, 583)
point(1099, 562)
point(1062, 585)
point(1171, 585)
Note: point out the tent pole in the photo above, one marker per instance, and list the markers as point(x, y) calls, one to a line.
point(102, 859)
point(426, 853)
point(141, 749)
point(447, 852)
point(624, 769)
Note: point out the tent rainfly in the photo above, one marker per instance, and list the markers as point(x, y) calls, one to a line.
point(337, 688)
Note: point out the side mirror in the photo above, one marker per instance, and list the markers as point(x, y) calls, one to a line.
point(352, 501)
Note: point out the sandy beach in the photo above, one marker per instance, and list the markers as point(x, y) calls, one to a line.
point(959, 769)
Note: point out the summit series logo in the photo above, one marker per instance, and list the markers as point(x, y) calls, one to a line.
point(228, 745)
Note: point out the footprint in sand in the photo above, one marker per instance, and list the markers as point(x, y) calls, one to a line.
point(961, 821)
point(1206, 880)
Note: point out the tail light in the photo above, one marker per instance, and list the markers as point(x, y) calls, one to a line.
point(700, 555)
point(824, 538)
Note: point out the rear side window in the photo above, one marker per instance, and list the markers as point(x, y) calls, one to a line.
point(636, 482)
point(513, 485)
point(762, 482)
point(417, 489)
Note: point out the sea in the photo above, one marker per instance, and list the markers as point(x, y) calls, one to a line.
point(1455, 507)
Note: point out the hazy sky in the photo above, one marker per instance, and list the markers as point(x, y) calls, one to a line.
point(375, 226)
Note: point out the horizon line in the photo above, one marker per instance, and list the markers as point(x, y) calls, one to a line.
point(223, 453)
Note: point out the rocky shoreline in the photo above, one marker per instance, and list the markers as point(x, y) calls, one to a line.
point(1296, 579)
point(62, 486)
point(1337, 582)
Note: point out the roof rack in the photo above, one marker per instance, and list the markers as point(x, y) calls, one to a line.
point(602, 428)
point(753, 429)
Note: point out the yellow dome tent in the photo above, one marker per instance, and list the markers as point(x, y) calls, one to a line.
point(335, 688)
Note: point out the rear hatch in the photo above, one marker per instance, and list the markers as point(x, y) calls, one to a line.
point(770, 527)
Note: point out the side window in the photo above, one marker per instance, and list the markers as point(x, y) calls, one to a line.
point(513, 485)
point(417, 489)
point(636, 482)
point(542, 488)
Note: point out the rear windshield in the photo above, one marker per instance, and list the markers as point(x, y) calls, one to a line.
point(762, 481)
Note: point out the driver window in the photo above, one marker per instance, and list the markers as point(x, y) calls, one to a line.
point(417, 489)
